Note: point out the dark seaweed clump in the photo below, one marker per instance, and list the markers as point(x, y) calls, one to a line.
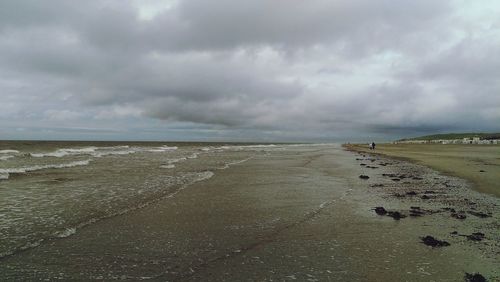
point(396, 215)
point(380, 211)
point(479, 214)
point(474, 277)
point(476, 236)
point(433, 242)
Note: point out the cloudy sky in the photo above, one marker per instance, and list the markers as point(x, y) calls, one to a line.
point(256, 70)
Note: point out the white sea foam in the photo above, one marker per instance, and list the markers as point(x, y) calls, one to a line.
point(204, 176)
point(66, 232)
point(108, 153)
point(323, 204)
point(193, 156)
point(91, 151)
point(9, 152)
point(246, 147)
point(5, 172)
point(167, 166)
point(65, 152)
point(162, 149)
point(227, 165)
point(27, 246)
point(3, 158)
point(31, 245)
point(173, 161)
point(201, 176)
point(115, 147)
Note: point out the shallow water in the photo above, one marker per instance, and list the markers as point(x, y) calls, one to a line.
point(50, 189)
point(288, 212)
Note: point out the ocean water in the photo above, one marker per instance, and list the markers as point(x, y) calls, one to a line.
point(51, 189)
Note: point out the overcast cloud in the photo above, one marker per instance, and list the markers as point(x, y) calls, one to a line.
point(257, 70)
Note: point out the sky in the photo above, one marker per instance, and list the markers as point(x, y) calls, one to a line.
point(248, 70)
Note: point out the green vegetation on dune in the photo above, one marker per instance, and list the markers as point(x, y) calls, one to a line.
point(450, 136)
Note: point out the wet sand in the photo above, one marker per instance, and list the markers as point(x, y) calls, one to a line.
point(299, 214)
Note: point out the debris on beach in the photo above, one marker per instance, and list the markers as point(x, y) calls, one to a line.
point(474, 277)
point(362, 164)
point(380, 211)
point(416, 211)
point(396, 215)
point(476, 236)
point(433, 242)
point(364, 176)
point(446, 184)
point(422, 194)
point(449, 209)
point(479, 214)
point(459, 215)
point(482, 170)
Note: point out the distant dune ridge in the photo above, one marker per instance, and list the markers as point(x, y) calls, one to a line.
point(450, 136)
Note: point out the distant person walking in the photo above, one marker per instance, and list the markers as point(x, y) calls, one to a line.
point(372, 146)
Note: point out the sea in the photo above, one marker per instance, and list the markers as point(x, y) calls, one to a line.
point(50, 190)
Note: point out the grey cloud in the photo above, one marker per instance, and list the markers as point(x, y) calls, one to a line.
point(283, 68)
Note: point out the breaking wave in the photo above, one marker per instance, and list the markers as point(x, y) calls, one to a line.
point(5, 172)
point(66, 152)
point(247, 147)
point(162, 149)
point(100, 151)
point(3, 158)
point(9, 152)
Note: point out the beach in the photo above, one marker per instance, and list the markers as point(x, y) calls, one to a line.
point(479, 164)
point(271, 213)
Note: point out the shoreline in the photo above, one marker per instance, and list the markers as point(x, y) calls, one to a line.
point(287, 215)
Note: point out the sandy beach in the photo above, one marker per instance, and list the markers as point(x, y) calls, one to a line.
point(479, 164)
point(302, 213)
